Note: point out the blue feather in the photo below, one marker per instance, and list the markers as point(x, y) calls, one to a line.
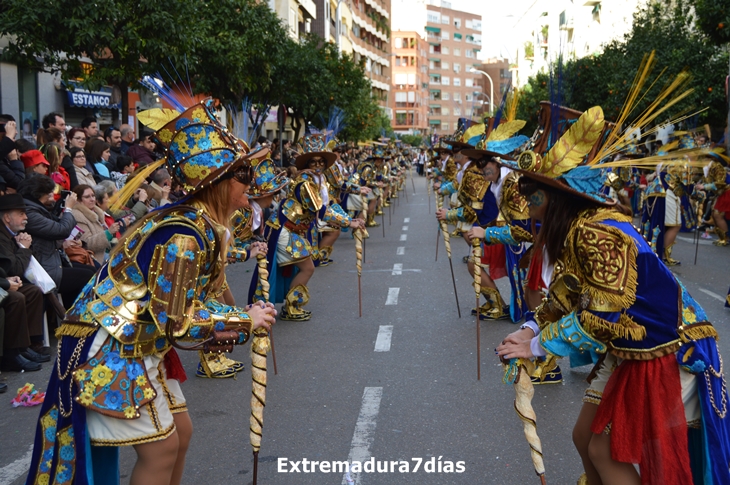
point(506, 146)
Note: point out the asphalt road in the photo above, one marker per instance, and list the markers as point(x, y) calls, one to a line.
point(347, 391)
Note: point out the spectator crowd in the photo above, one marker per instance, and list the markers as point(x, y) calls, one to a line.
point(55, 206)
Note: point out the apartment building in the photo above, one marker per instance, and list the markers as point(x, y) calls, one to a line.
point(493, 78)
point(409, 85)
point(454, 41)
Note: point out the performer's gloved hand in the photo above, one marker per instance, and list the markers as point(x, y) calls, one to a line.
point(475, 232)
point(441, 214)
point(262, 315)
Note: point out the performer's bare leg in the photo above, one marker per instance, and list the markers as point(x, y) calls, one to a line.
point(156, 461)
point(184, 433)
point(371, 206)
point(611, 472)
point(720, 222)
point(486, 280)
point(582, 435)
point(329, 238)
point(670, 234)
point(306, 270)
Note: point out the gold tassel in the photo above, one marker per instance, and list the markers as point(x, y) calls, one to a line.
point(75, 330)
point(698, 332)
point(121, 197)
point(625, 328)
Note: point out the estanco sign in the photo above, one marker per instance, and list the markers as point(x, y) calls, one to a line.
point(90, 99)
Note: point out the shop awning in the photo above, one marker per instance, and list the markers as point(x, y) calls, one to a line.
point(457, 35)
point(432, 29)
point(77, 96)
point(434, 122)
point(434, 106)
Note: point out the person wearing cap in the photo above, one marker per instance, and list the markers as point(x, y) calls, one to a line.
point(291, 231)
point(34, 162)
point(117, 377)
point(657, 397)
point(246, 243)
point(24, 349)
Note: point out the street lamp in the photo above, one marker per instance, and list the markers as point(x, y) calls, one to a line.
point(491, 88)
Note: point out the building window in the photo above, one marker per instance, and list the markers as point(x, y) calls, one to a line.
point(457, 96)
point(401, 79)
point(457, 81)
point(400, 117)
point(412, 79)
point(445, 111)
point(457, 67)
point(444, 50)
point(433, 17)
point(444, 35)
point(445, 96)
point(444, 19)
point(398, 43)
point(468, 97)
point(445, 80)
point(457, 37)
point(476, 25)
point(457, 111)
point(445, 126)
point(411, 96)
point(457, 23)
point(469, 82)
point(457, 51)
point(470, 54)
point(444, 65)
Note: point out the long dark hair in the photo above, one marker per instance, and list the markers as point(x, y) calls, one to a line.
point(562, 209)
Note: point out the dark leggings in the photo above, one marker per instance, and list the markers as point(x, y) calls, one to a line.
point(73, 281)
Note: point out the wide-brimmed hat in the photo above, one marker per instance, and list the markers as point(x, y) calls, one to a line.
point(265, 180)
point(31, 158)
point(564, 165)
point(11, 202)
point(313, 146)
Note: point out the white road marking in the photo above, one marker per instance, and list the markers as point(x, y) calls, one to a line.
point(364, 434)
point(397, 269)
point(382, 343)
point(403, 237)
point(400, 251)
point(385, 270)
point(407, 220)
point(9, 473)
point(713, 295)
point(405, 228)
point(392, 296)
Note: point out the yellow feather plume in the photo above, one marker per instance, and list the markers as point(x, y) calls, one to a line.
point(506, 130)
point(510, 107)
point(575, 144)
point(121, 197)
point(473, 131)
point(156, 118)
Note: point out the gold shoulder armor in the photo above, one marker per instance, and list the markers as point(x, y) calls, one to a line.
point(241, 222)
point(311, 198)
point(473, 186)
point(513, 205)
point(605, 257)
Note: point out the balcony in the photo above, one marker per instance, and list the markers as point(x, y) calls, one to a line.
point(566, 20)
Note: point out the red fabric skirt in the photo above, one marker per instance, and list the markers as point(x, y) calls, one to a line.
point(643, 403)
point(723, 203)
point(174, 367)
point(494, 256)
point(534, 273)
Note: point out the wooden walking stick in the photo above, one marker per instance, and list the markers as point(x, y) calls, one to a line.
point(518, 372)
point(382, 216)
point(476, 245)
point(447, 245)
point(358, 265)
point(438, 238)
point(413, 184)
point(428, 186)
point(364, 239)
point(262, 264)
point(259, 349)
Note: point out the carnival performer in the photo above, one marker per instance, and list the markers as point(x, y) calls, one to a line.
point(291, 230)
point(246, 243)
point(116, 380)
point(658, 398)
point(717, 181)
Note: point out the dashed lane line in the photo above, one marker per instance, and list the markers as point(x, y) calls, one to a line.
point(400, 251)
point(364, 434)
point(397, 269)
point(392, 296)
point(382, 342)
point(403, 237)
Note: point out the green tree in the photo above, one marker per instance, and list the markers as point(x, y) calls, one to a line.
point(713, 17)
point(124, 39)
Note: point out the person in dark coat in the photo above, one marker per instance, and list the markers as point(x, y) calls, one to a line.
point(50, 233)
point(23, 348)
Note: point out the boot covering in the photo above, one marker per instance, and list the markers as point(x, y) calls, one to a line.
point(218, 366)
point(293, 303)
point(668, 256)
point(324, 255)
point(498, 308)
point(722, 237)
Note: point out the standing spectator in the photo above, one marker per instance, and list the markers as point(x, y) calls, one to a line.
point(15, 254)
point(97, 154)
point(90, 219)
point(54, 120)
point(34, 163)
point(50, 233)
point(54, 153)
point(113, 137)
point(10, 172)
point(127, 133)
point(76, 139)
point(142, 152)
point(79, 169)
point(90, 127)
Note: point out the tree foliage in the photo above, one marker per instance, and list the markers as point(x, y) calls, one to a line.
point(668, 27)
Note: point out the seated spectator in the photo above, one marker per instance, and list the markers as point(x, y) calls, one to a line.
point(25, 299)
point(142, 152)
point(90, 219)
point(54, 154)
point(15, 337)
point(34, 163)
point(50, 233)
point(90, 127)
point(50, 135)
point(102, 202)
point(76, 139)
point(83, 175)
point(120, 174)
point(97, 153)
point(136, 207)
